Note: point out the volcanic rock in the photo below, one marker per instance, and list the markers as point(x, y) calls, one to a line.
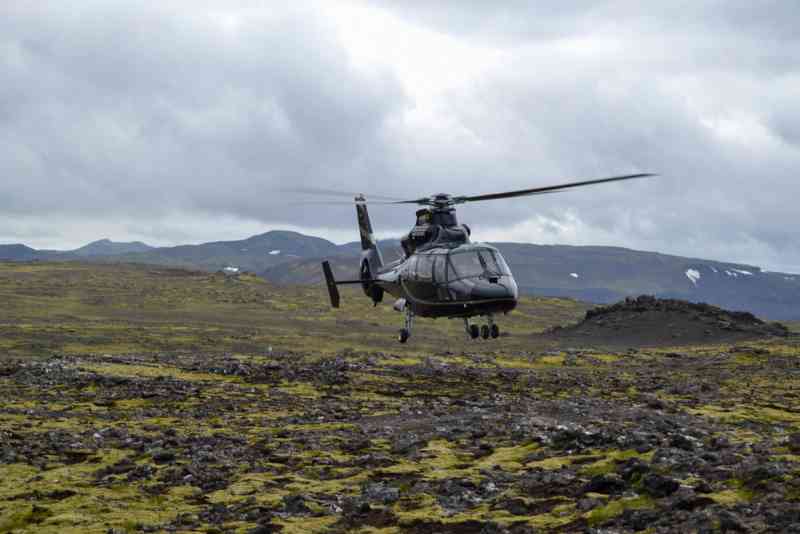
point(660, 486)
point(650, 321)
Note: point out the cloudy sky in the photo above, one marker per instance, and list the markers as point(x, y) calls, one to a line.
point(186, 121)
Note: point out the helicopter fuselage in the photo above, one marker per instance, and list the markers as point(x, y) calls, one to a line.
point(460, 281)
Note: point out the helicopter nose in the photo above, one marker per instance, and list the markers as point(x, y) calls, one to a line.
point(486, 290)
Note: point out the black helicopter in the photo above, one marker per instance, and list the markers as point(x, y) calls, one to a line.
point(442, 273)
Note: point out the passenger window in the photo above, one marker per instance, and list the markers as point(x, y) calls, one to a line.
point(439, 269)
point(425, 268)
point(411, 267)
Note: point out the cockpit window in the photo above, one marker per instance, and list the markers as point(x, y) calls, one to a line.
point(475, 263)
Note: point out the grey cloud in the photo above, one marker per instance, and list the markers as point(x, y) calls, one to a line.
point(515, 20)
point(143, 110)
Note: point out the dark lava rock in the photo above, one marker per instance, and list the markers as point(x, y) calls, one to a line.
point(608, 484)
point(458, 495)
point(793, 442)
point(421, 526)
point(660, 486)
point(703, 487)
point(407, 442)
point(730, 522)
point(380, 492)
point(639, 519)
point(686, 499)
point(647, 319)
point(266, 529)
point(356, 444)
point(364, 515)
point(332, 372)
point(577, 438)
point(295, 505)
point(162, 456)
point(632, 470)
point(545, 482)
point(681, 441)
point(755, 475)
point(588, 504)
point(654, 403)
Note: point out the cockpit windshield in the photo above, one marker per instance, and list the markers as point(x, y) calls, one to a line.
point(475, 263)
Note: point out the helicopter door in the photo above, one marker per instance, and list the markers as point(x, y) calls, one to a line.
point(440, 277)
point(421, 284)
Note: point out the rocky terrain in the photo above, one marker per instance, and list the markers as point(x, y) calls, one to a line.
point(227, 426)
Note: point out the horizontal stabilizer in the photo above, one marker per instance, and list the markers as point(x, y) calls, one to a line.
point(333, 291)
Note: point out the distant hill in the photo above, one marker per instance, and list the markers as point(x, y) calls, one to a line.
point(106, 247)
point(588, 273)
point(255, 254)
point(18, 252)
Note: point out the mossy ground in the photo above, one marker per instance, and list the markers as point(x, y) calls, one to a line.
point(149, 399)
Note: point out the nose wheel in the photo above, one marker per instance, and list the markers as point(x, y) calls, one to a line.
point(405, 332)
point(404, 335)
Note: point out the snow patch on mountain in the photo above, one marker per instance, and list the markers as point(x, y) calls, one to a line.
point(693, 275)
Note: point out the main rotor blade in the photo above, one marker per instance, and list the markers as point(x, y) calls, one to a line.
point(547, 189)
point(421, 201)
point(338, 202)
point(334, 193)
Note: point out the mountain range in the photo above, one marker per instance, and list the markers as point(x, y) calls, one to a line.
point(589, 273)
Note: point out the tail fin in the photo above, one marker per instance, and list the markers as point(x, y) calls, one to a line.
point(332, 284)
point(369, 245)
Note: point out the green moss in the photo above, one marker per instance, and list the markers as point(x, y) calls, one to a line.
point(307, 525)
point(441, 459)
point(607, 358)
point(602, 514)
point(300, 389)
point(93, 508)
point(732, 496)
point(757, 414)
point(424, 507)
point(612, 458)
point(787, 457)
point(508, 458)
point(21, 517)
point(154, 371)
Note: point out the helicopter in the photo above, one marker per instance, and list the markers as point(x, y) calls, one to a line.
point(442, 273)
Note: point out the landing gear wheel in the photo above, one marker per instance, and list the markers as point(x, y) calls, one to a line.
point(485, 332)
point(494, 331)
point(404, 335)
point(474, 331)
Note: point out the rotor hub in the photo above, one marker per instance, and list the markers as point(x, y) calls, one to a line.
point(442, 200)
